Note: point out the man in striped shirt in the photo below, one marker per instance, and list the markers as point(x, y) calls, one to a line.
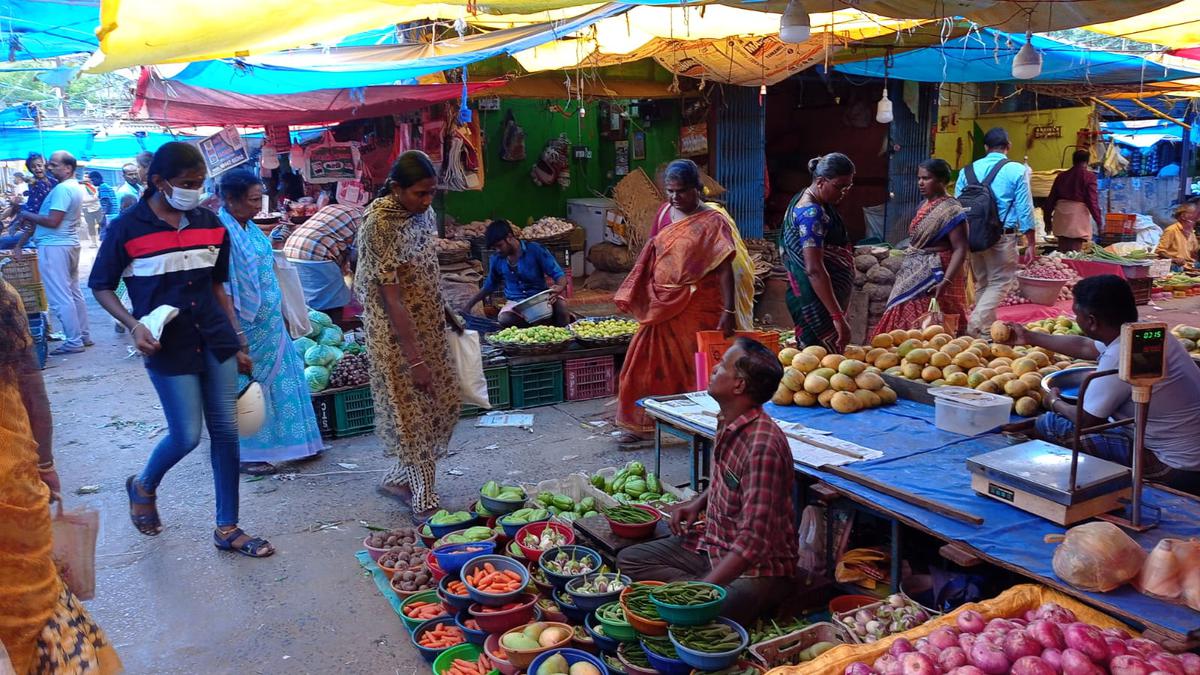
point(323, 249)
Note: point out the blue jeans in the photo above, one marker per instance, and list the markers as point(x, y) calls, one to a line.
point(209, 397)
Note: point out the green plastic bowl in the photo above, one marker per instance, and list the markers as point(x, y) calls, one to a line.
point(618, 631)
point(690, 615)
point(467, 652)
point(423, 596)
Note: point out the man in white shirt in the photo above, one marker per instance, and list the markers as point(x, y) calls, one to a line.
point(56, 236)
point(131, 190)
point(1102, 305)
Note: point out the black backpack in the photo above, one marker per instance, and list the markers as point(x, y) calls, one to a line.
point(984, 225)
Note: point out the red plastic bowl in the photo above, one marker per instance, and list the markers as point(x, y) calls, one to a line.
point(491, 647)
point(849, 603)
point(636, 530)
point(502, 621)
point(434, 568)
point(537, 528)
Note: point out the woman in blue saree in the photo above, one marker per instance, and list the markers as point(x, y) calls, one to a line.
point(290, 431)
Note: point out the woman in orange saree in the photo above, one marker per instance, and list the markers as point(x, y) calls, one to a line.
point(682, 283)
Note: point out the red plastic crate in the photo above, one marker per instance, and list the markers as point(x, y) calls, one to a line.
point(711, 346)
point(590, 378)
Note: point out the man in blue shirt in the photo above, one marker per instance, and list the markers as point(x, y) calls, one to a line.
point(522, 268)
point(995, 270)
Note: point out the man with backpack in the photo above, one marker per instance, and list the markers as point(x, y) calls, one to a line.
point(999, 205)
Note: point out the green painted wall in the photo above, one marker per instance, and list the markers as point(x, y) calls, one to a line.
point(510, 193)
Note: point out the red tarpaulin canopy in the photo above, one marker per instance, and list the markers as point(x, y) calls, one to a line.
point(176, 104)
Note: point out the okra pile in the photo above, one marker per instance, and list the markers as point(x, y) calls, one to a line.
point(638, 601)
point(712, 638)
point(629, 515)
point(686, 593)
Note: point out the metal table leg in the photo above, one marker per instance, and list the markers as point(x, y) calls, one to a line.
point(658, 426)
point(895, 556)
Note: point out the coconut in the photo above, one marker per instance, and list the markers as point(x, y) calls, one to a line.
point(881, 275)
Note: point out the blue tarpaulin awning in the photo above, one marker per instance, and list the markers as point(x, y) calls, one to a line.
point(43, 29)
point(986, 55)
point(84, 144)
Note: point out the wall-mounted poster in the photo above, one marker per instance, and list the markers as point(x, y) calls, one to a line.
point(622, 163)
point(638, 149)
point(223, 150)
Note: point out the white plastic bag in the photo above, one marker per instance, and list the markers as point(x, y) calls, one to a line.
point(468, 361)
point(75, 548)
point(295, 310)
point(812, 540)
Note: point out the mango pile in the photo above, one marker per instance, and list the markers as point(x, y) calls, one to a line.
point(845, 382)
point(937, 358)
point(1189, 336)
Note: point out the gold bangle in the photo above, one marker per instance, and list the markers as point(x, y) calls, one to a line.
point(46, 466)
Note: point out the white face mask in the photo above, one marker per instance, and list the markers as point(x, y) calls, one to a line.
point(182, 198)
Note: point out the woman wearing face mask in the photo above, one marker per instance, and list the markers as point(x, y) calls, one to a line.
point(412, 377)
point(172, 253)
point(816, 253)
point(290, 431)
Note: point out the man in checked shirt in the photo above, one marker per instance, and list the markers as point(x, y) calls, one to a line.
point(740, 533)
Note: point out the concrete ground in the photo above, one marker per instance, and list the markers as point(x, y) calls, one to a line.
point(175, 604)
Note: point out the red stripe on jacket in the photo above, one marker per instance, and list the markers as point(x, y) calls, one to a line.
point(158, 242)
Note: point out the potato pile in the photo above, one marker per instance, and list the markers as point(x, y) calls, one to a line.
point(937, 358)
point(547, 228)
point(843, 382)
point(471, 230)
point(452, 245)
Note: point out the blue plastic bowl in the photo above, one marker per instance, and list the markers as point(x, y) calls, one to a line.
point(427, 653)
point(473, 636)
point(452, 557)
point(708, 660)
point(440, 531)
point(499, 507)
point(603, 642)
point(500, 562)
point(613, 663)
point(592, 602)
point(572, 656)
point(510, 531)
point(448, 598)
point(664, 665)
point(690, 615)
point(573, 613)
point(559, 581)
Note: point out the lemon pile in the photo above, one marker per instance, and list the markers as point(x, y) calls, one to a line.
point(1056, 326)
point(533, 336)
point(813, 376)
point(608, 328)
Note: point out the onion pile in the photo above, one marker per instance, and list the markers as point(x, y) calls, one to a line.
point(351, 371)
point(894, 615)
point(1046, 641)
point(1047, 267)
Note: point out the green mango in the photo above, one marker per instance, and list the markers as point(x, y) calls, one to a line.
point(635, 487)
point(636, 469)
point(490, 489)
point(652, 483)
point(519, 641)
point(555, 664)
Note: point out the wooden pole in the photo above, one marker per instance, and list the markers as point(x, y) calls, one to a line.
point(1110, 108)
point(1161, 115)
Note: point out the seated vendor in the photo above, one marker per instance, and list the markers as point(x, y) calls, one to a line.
point(522, 267)
point(322, 249)
point(740, 533)
point(1102, 305)
point(1178, 241)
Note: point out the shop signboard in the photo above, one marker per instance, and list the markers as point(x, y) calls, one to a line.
point(224, 150)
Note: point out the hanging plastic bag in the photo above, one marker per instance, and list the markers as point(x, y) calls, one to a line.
point(812, 540)
point(512, 145)
point(295, 310)
point(352, 193)
point(330, 161)
point(935, 317)
point(75, 548)
point(468, 361)
point(1096, 557)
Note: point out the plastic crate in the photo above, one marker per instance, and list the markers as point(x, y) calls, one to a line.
point(33, 296)
point(711, 346)
point(499, 392)
point(21, 272)
point(1119, 224)
point(1142, 288)
point(353, 412)
point(590, 378)
point(41, 345)
point(537, 384)
point(323, 407)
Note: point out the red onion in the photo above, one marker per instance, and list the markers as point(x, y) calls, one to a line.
point(1053, 657)
point(1087, 639)
point(1047, 633)
point(1129, 665)
point(970, 621)
point(943, 638)
point(859, 668)
point(1190, 662)
point(1032, 665)
point(901, 646)
point(887, 665)
point(1115, 647)
point(1075, 662)
point(1018, 644)
point(989, 658)
point(968, 670)
point(915, 663)
point(1168, 663)
point(951, 658)
point(1056, 613)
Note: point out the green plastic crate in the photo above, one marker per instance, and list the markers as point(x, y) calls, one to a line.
point(353, 412)
point(537, 384)
point(499, 392)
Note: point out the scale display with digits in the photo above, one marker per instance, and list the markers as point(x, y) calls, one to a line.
point(1065, 485)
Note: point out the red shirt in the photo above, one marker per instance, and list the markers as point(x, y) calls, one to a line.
point(1076, 184)
point(750, 509)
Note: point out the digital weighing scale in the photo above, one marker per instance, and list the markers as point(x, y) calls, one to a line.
point(1067, 486)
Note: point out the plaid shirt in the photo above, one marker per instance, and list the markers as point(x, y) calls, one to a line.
point(750, 509)
point(327, 235)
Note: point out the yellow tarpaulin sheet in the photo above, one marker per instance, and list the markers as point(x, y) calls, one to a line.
point(1013, 602)
point(1014, 16)
point(1176, 26)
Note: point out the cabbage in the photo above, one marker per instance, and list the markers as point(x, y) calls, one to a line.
point(332, 336)
point(301, 345)
point(317, 377)
point(315, 317)
point(320, 355)
point(315, 333)
point(337, 356)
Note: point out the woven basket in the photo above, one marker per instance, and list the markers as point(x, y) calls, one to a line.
point(33, 296)
point(639, 200)
point(454, 257)
point(599, 342)
point(520, 349)
point(20, 272)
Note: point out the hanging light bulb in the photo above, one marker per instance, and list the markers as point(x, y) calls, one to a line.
point(1028, 62)
point(794, 26)
point(883, 111)
point(762, 89)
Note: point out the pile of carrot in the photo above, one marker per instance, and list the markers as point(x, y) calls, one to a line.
point(491, 580)
point(441, 636)
point(503, 608)
point(472, 624)
point(424, 610)
point(482, 666)
point(457, 588)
